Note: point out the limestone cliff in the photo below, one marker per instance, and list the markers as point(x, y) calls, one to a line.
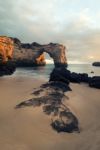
point(25, 54)
point(6, 48)
point(6, 53)
point(33, 54)
point(56, 52)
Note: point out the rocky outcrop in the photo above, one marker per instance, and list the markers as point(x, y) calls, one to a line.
point(64, 75)
point(6, 49)
point(57, 52)
point(96, 64)
point(95, 82)
point(26, 54)
point(7, 68)
point(51, 97)
point(6, 53)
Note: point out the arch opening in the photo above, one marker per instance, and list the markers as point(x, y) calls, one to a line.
point(48, 59)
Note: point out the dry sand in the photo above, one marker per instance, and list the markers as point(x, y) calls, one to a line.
point(29, 129)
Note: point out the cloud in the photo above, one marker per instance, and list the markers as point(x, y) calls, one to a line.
point(68, 22)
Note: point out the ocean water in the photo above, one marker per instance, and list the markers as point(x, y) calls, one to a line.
point(43, 72)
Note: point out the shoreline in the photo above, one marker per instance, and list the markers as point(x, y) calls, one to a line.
point(28, 128)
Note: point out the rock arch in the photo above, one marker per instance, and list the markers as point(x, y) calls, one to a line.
point(26, 54)
point(55, 51)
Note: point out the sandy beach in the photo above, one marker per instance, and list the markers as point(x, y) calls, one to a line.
point(29, 129)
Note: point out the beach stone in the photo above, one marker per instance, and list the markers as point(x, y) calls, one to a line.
point(95, 82)
point(84, 77)
point(7, 68)
point(75, 77)
point(67, 122)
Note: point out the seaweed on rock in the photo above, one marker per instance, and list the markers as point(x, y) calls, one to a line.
point(52, 102)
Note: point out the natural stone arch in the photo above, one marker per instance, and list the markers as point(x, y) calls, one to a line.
point(26, 54)
point(55, 51)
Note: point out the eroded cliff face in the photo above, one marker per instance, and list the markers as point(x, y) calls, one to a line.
point(25, 54)
point(57, 53)
point(6, 48)
point(6, 53)
point(33, 54)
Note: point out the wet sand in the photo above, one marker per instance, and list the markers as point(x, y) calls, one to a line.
point(29, 129)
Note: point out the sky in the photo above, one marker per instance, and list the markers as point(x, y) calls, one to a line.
point(73, 23)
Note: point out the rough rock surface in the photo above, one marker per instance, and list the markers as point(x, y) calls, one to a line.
point(64, 75)
point(25, 54)
point(6, 49)
point(7, 68)
point(95, 82)
point(32, 54)
point(97, 64)
point(6, 54)
point(51, 97)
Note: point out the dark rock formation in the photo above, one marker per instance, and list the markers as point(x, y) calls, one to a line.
point(96, 64)
point(92, 71)
point(74, 77)
point(60, 74)
point(57, 85)
point(52, 101)
point(95, 82)
point(52, 96)
point(30, 46)
point(84, 77)
point(7, 68)
point(63, 125)
point(64, 75)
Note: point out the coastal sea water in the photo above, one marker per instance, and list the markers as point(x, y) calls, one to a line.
point(43, 72)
